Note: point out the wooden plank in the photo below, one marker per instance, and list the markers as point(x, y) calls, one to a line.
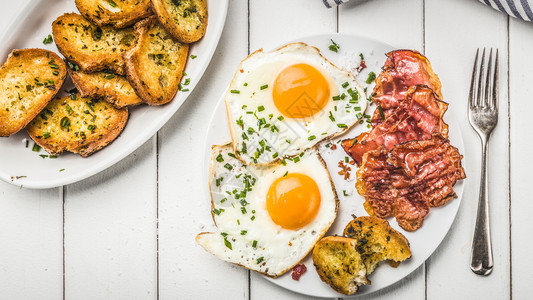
point(454, 30)
point(31, 260)
point(392, 22)
point(185, 269)
point(110, 231)
point(31, 234)
point(520, 91)
point(373, 19)
point(293, 19)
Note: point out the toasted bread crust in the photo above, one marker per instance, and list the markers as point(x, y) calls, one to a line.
point(29, 79)
point(187, 21)
point(90, 47)
point(118, 13)
point(80, 125)
point(377, 241)
point(338, 264)
point(155, 65)
point(112, 88)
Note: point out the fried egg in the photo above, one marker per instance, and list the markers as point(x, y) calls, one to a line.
point(268, 218)
point(283, 102)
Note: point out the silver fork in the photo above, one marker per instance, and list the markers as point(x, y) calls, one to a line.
point(483, 116)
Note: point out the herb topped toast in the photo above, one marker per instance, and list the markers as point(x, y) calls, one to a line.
point(77, 124)
point(29, 78)
point(113, 88)
point(377, 241)
point(118, 13)
point(186, 20)
point(154, 66)
point(339, 264)
point(91, 47)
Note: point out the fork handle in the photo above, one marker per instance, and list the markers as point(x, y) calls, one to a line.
point(482, 262)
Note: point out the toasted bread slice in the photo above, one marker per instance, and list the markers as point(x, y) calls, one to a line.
point(186, 20)
point(91, 47)
point(29, 79)
point(77, 124)
point(112, 88)
point(338, 264)
point(118, 13)
point(377, 241)
point(155, 65)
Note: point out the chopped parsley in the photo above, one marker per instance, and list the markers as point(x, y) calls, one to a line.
point(334, 47)
point(371, 77)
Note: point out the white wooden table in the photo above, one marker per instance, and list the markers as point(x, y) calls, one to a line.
point(128, 232)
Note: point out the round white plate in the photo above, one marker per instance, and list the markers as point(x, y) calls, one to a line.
point(423, 241)
point(23, 167)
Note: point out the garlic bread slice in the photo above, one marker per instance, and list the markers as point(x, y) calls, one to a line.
point(91, 47)
point(338, 264)
point(29, 79)
point(118, 13)
point(77, 124)
point(377, 241)
point(113, 88)
point(186, 20)
point(154, 66)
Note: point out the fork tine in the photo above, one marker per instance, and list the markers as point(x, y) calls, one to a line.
point(495, 87)
point(472, 93)
point(480, 87)
point(488, 83)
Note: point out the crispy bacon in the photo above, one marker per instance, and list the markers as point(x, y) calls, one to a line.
point(409, 179)
point(402, 70)
point(298, 271)
point(417, 117)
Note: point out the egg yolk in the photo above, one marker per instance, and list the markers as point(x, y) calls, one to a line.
point(300, 91)
point(293, 201)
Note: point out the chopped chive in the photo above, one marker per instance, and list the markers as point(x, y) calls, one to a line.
point(345, 194)
point(245, 84)
point(260, 108)
point(112, 3)
point(193, 56)
point(36, 148)
point(46, 135)
point(61, 170)
point(55, 73)
point(345, 85)
point(244, 232)
point(235, 91)
point(48, 40)
point(254, 243)
point(381, 112)
point(220, 158)
point(227, 243)
point(342, 126)
point(264, 86)
point(281, 118)
point(228, 166)
point(259, 260)
point(311, 138)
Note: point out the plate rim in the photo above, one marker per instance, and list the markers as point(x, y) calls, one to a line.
point(451, 116)
point(11, 34)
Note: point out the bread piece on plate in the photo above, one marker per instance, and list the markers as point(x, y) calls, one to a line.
point(154, 66)
point(77, 124)
point(338, 264)
point(118, 13)
point(89, 46)
point(186, 20)
point(29, 79)
point(377, 241)
point(113, 88)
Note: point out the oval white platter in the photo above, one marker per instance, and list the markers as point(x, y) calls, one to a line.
point(23, 167)
point(423, 242)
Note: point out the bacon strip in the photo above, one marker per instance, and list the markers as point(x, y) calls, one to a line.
point(409, 179)
point(402, 70)
point(417, 117)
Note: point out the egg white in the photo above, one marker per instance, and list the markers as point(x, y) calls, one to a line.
point(277, 249)
point(279, 136)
